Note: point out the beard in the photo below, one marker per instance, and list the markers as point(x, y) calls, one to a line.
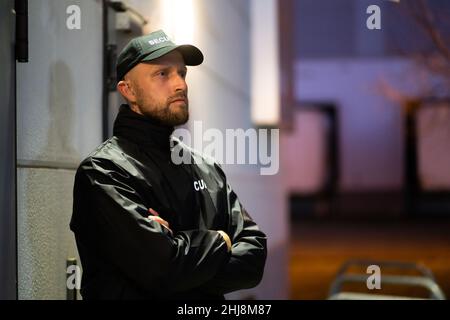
point(165, 113)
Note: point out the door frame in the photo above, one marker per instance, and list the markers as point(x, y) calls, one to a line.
point(8, 166)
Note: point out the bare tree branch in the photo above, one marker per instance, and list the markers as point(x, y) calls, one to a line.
point(424, 17)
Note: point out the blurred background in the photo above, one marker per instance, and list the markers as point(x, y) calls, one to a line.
point(359, 90)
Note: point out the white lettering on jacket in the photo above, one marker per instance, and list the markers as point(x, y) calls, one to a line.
point(199, 185)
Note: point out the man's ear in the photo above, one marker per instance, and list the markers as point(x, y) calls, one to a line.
point(123, 86)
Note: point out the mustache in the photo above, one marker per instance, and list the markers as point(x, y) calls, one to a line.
point(178, 96)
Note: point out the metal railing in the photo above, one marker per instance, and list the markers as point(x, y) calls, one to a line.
point(425, 280)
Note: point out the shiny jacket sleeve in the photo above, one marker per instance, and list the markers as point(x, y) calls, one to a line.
point(115, 214)
point(249, 251)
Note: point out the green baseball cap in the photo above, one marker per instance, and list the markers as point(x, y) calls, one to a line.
point(153, 46)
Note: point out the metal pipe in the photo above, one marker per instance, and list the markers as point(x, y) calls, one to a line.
point(105, 91)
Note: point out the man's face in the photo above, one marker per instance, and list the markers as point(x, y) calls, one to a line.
point(159, 89)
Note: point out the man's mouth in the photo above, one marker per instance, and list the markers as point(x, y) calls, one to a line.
point(179, 99)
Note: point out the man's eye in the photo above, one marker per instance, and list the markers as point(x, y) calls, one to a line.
point(161, 73)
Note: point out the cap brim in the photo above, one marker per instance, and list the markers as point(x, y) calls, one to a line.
point(191, 54)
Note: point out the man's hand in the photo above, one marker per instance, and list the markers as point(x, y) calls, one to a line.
point(155, 217)
point(226, 238)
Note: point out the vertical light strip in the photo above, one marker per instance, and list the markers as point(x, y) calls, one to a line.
point(179, 20)
point(265, 84)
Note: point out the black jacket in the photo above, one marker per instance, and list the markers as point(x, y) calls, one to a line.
point(125, 255)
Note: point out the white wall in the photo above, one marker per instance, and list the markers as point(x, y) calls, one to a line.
point(58, 124)
point(220, 97)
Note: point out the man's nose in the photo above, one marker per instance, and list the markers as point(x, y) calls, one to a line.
point(180, 83)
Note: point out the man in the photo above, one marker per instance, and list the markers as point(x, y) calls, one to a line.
point(144, 226)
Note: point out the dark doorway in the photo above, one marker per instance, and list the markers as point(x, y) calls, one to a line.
point(427, 154)
point(316, 199)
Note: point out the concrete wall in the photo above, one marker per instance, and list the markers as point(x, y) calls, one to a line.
point(58, 124)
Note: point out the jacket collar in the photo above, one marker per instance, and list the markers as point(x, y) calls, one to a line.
point(141, 130)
